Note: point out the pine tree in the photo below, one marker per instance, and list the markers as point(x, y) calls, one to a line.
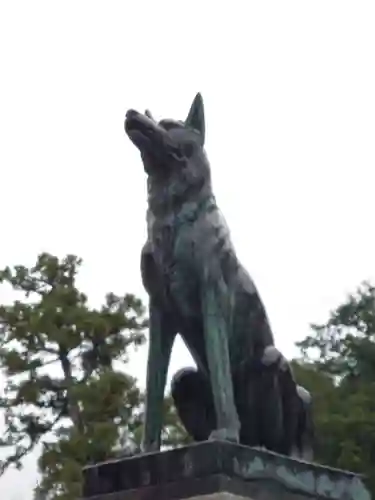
point(341, 353)
point(64, 388)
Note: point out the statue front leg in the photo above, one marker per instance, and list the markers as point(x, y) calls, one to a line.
point(216, 340)
point(160, 347)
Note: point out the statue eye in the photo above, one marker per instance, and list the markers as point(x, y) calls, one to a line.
point(188, 149)
point(178, 153)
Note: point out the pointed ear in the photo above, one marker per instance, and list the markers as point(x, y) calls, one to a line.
point(195, 118)
point(149, 115)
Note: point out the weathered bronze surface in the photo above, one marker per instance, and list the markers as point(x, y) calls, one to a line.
point(242, 389)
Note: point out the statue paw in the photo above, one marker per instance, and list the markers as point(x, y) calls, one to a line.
point(149, 447)
point(225, 434)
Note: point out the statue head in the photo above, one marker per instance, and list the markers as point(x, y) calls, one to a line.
point(169, 147)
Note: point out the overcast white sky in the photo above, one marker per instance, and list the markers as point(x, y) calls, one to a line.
point(289, 94)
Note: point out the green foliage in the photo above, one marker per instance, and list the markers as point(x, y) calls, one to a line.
point(338, 367)
point(62, 388)
point(65, 388)
point(174, 434)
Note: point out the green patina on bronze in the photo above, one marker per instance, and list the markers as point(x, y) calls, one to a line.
point(242, 389)
point(214, 467)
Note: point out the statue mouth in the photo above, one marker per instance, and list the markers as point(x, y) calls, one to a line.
point(140, 130)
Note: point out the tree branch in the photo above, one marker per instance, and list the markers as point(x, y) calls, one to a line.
point(22, 451)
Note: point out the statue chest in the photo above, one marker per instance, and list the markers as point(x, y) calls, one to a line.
point(176, 267)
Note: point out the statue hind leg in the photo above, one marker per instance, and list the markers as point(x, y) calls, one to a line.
point(305, 430)
point(297, 421)
point(259, 405)
point(192, 397)
point(246, 389)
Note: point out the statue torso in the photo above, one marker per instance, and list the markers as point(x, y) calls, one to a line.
point(175, 245)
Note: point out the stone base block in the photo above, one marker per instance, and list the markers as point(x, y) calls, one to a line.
point(219, 496)
point(218, 471)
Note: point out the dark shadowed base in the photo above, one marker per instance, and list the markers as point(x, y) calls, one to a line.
point(218, 471)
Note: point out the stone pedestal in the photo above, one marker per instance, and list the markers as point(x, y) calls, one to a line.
point(218, 471)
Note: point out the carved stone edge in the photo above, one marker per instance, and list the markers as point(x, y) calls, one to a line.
point(248, 465)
